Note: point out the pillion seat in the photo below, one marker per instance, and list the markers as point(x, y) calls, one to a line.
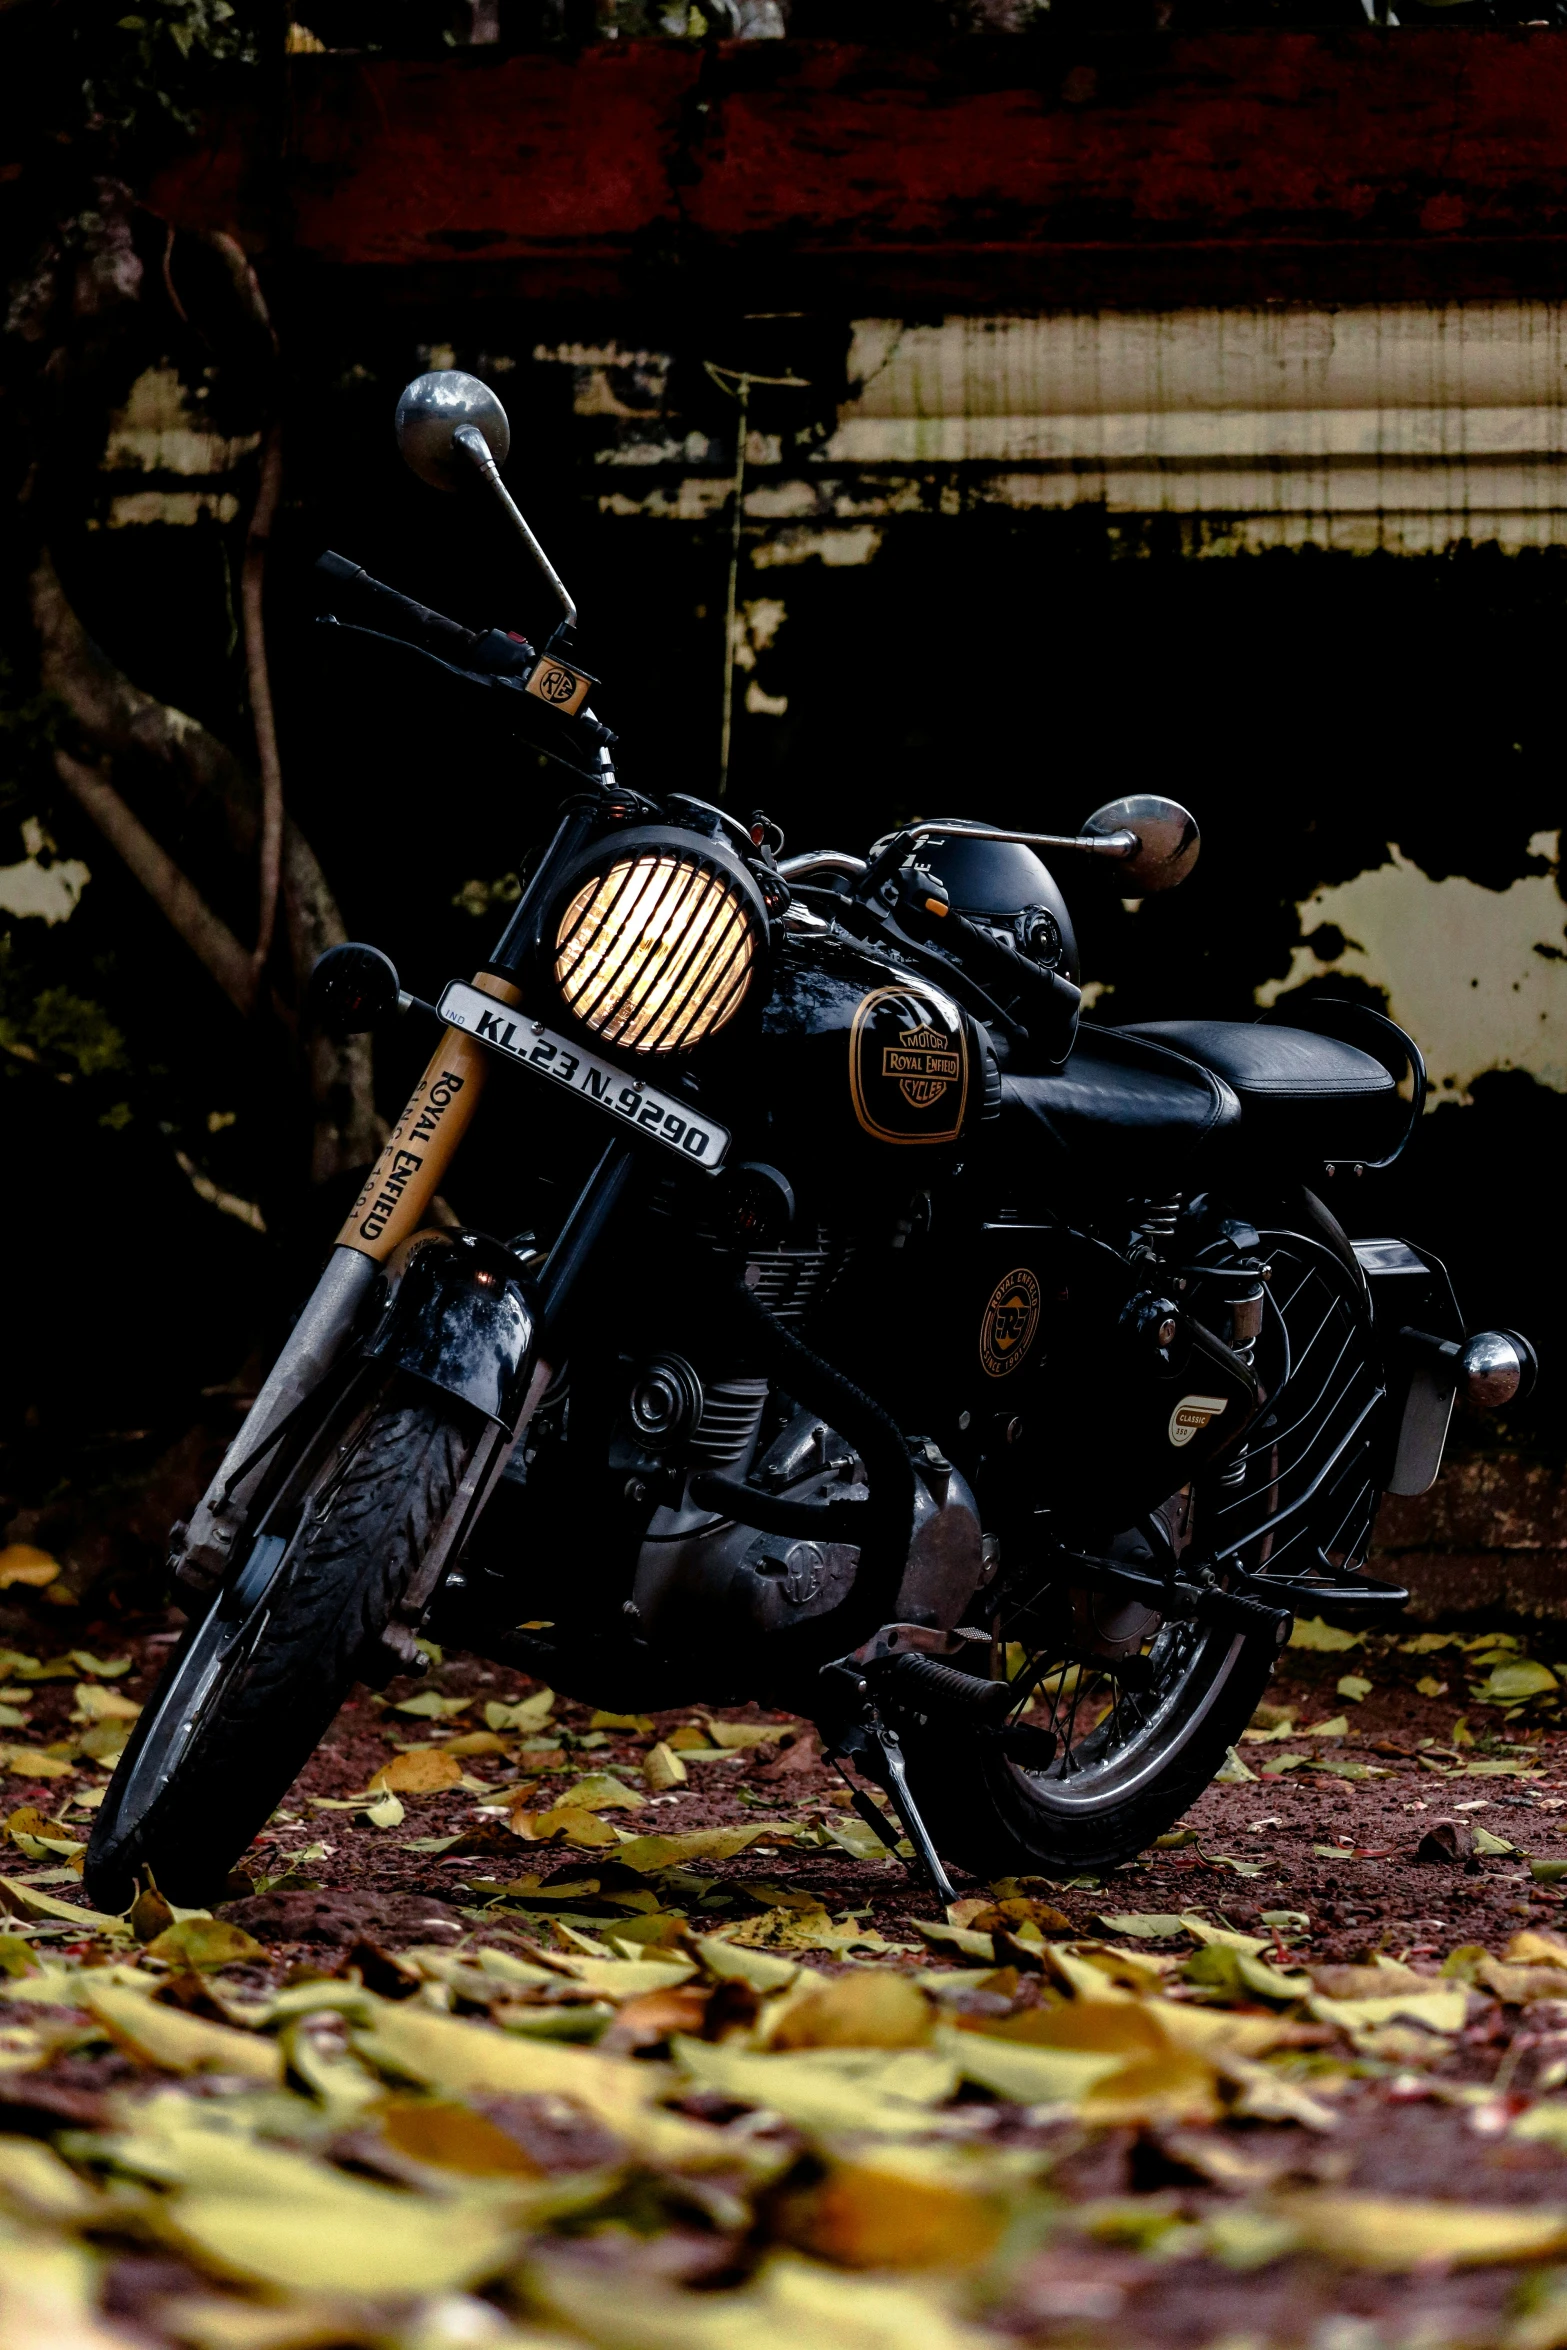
point(1125, 1111)
point(1303, 1096)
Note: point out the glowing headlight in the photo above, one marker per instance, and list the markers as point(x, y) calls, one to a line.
point(656, 951)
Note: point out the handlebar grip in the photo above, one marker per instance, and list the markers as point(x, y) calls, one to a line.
point(455, 641)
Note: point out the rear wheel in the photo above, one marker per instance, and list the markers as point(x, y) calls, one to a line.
point(257, 1679)
point(1143, 1709)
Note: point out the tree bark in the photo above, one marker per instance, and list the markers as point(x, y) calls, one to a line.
point(122, 721)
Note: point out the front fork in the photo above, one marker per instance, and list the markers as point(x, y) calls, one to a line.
point(392, 1204)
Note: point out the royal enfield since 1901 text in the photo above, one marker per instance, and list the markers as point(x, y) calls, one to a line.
point(887, 1345)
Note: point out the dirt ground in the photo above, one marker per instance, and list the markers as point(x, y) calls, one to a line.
point(1387, 1829)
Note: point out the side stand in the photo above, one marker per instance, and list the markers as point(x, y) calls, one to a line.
point(875, 1749)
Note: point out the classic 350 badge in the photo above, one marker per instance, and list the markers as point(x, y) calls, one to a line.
point(1006, 1330)
point(908, 1066)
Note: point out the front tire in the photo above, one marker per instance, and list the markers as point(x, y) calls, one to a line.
point(258, 1678)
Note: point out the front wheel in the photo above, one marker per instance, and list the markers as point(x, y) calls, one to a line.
point(257, 1679)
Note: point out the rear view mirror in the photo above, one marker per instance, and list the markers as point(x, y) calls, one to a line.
point(351, 990)
point(430, 414)
point(1165, 841)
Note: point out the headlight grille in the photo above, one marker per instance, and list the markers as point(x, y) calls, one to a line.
point(656, 953)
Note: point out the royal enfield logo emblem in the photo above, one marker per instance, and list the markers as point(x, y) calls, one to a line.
point(1192, 1415)
point(1006, 1330)
point(562, 688)
point(923, 1063)
point(908, 1065)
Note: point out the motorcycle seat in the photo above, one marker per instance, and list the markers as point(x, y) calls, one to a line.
point(1123, 1110)
point(1302, 1095)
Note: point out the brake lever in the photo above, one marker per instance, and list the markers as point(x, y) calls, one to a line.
point(597, 732)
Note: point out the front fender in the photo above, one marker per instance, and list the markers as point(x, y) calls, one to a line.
point(460, 1315)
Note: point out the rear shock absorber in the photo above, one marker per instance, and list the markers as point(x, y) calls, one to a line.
point(1247, 1293)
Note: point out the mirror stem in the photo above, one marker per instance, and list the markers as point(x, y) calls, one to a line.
point(473, 445)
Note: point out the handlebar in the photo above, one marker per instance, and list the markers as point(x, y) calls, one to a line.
point(492, 658)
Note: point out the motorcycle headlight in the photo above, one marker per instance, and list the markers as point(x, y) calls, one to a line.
point(658, 943)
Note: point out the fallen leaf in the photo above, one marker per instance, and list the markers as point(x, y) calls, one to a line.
point(430, 1707)
point(1533, 1948)
point(873, 2008)
point(1145, 1925)
point(1232, 1772)
point(1338, 1727)
point(31, 1762)
point(689, 1739)
point(21, 1563)
point(182, 2043)
point(205, 1944)
point(476, 1742)
point(1397, 2232)
point(1508, 1684)
point(1312, 1632)
point(647, 1853)
point(629, 1978)
point(529, 1713)
point(1437, 2010)
point(663, 1769)
point(737, 1734)
point(563, 1824)
point(602, 1791)
point(641, 1723)
point(97, 1704)
point(105, 1668)
point(855, 1836)
point(385, 1812)
point(1431, 1688)
point(1353, 1686)
point(892, 2211)
point(25, 1902)
point(420, 1770)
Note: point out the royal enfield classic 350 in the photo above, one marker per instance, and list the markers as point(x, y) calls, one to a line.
point(872, 1339)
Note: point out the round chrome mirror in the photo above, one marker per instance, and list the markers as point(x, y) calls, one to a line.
point(351, 990)
point(433, 409)
point(1496, 1366)
point(1167, 841)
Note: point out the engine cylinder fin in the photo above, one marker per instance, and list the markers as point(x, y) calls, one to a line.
point(732, 1411)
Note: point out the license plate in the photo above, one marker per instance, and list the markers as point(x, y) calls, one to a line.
point(698, 1140)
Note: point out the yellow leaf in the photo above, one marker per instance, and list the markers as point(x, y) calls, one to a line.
point(1397, 2232)
point(1508, 1684)
point(689, 1738)
point(642, 1723)
point(647, 1853)
point(732, 1963)
point(1353, 1686)
point(1027, 2075)
point(1439, 2011)
point(881, 2212)
point(1177, 2087)
point(664, 1769)
point(629, 1978)
point(564, 1824)
point(30, 1762)
point(25, 1901)
point(34, 2177)
point(883, 2092)
point(737, 1734)
point(454, 2137)
point(205, 1944)
point(873, 2008)
point(529, 1713)
point(602, 1791)
point(104, 1668)
point(49, 2296)
point(793, 2304)
point(1338, 1727)
point(422, 1770)
point(476, 1742)
point(21, 1563)
point(94, 1703)
point(1312, 1632)
point(346, 2238)
point(182, 2043)
point(1532, 1948)
point(385, 1812)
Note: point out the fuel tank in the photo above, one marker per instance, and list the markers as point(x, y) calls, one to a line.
point(860, 1077)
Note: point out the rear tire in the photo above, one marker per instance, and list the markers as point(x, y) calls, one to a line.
point(996, 1818)
point(258, 1678)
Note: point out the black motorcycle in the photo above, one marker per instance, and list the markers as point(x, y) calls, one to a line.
point(884, 1344)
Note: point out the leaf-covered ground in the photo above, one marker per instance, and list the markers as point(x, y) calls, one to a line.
point(533, 2025)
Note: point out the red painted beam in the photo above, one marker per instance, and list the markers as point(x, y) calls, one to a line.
point(1126, 168)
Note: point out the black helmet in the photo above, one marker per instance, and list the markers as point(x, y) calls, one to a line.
point(1005, 886)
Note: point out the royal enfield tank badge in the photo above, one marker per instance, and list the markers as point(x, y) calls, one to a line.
point(1008, 1324)
point(908, 1066)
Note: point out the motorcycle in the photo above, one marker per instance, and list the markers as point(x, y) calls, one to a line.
point(883, 1341)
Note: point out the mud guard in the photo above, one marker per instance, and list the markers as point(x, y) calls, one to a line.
point(460, 1314)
